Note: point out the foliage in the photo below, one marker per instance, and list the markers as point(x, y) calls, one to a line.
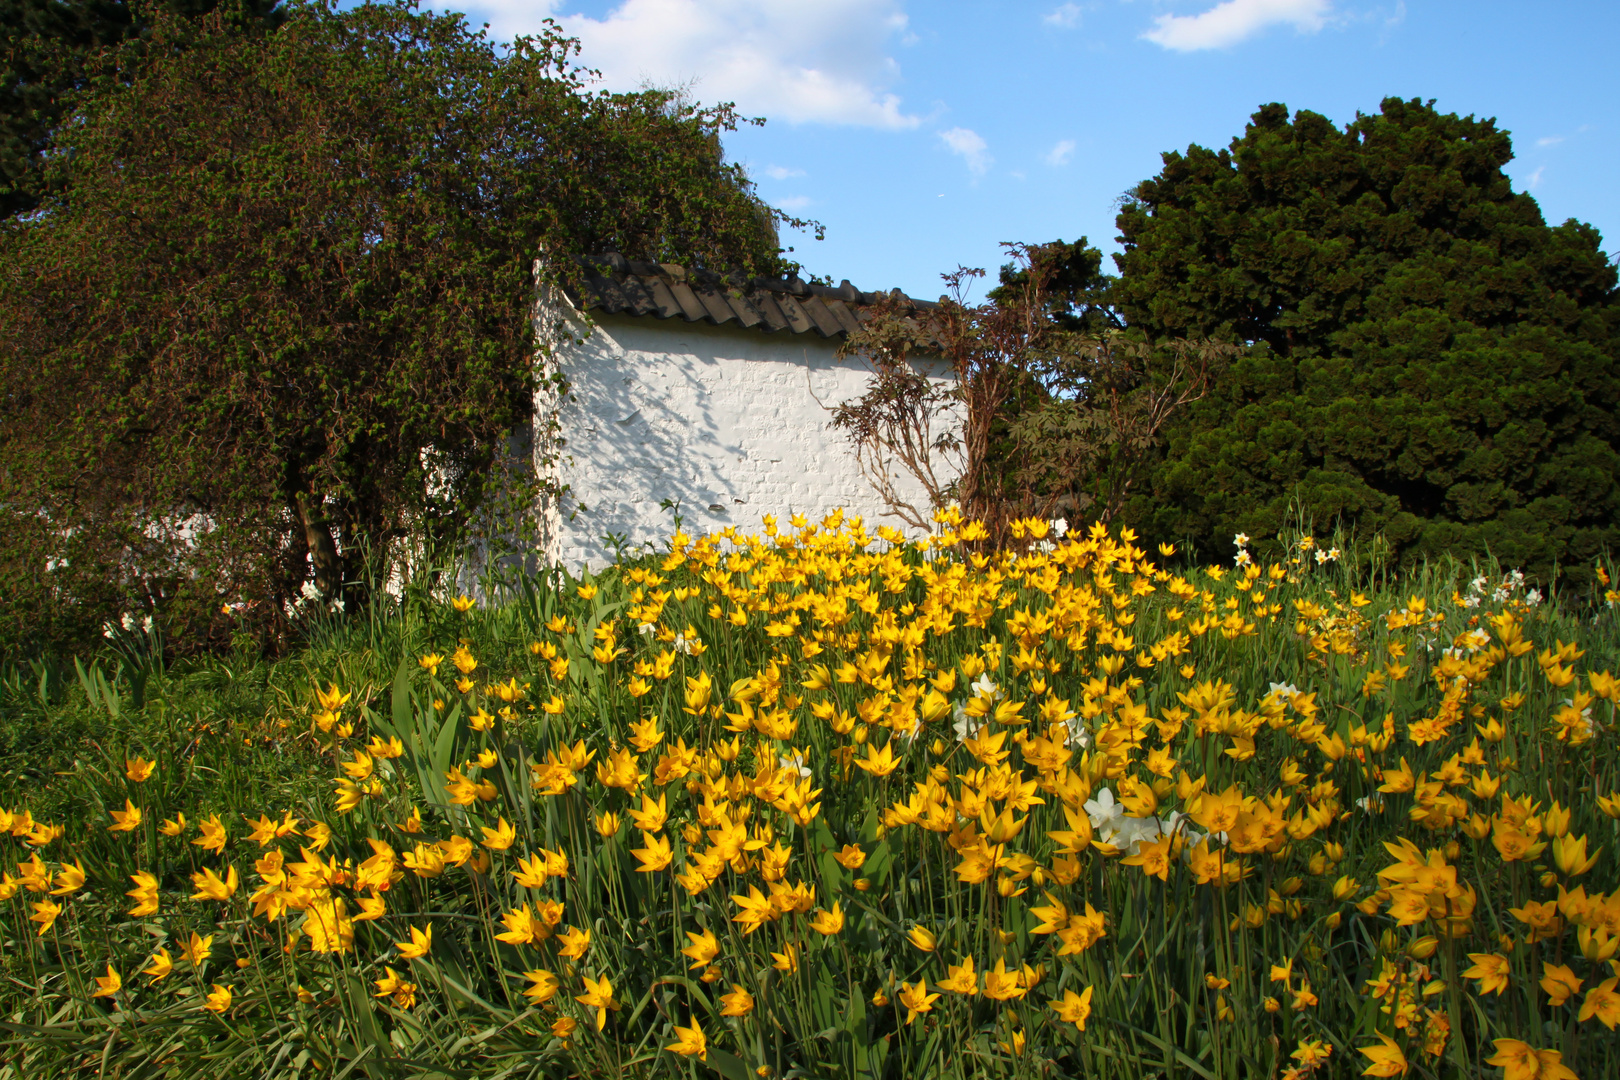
point(909, 418)
point(45, 46)
point(1073, 287)
point(274, 324)
point(1048, 408)
point(233, 713)
point(1428, 359)
point(820, 803)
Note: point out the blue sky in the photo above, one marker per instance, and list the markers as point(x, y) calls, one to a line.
point(923, 134)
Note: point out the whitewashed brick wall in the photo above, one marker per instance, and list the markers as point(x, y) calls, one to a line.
point(734, 423)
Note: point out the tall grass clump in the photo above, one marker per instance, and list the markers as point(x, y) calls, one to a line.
point(827, 803)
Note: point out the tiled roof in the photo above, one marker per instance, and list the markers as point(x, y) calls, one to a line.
point(618, 286)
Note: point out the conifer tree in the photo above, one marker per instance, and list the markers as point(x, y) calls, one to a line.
point(1425, 358)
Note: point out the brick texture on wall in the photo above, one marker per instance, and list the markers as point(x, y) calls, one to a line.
point(733, 423)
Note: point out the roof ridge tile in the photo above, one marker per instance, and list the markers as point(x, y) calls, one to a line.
point(622, 286)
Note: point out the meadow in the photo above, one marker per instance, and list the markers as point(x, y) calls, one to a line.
point(825, 802)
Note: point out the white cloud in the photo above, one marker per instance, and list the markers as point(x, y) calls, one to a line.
point(1061, 153)
point(782, 172)
point(1534, 179)
point(1550, 140)
point(826, 63)
point(1064, 16)
point(1234, 21)
point(973, 149)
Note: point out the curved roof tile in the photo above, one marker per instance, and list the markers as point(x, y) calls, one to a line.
point(618, 286)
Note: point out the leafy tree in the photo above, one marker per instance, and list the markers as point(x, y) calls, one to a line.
point(1049, 408)
point(44, 47)
point(1073, 288)
point(1424, 356)
point(280, 322)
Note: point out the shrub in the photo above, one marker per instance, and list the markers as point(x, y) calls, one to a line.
point(274, 326)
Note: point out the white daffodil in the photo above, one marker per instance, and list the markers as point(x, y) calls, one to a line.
point(965, 726)
point(1104, 813)
point(1287, 690)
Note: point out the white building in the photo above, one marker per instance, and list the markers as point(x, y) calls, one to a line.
point(713, 393)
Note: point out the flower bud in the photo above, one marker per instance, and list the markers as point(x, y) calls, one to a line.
point(1423, 948)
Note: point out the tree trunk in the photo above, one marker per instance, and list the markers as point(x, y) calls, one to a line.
point(323, 552)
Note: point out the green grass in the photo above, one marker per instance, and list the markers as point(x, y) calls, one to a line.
point(235, 736)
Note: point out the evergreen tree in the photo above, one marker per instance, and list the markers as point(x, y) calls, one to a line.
point(1424, 357)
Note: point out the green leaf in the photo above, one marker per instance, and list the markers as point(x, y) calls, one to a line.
point(401, 714)
point(876, 867)
point(729, 1065)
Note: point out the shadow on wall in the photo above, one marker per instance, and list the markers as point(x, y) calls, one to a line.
point(732, 424)
point(637, 432)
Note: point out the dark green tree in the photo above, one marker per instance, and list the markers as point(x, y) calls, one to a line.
point(1075, 291)
point(274, 316)
point(1424, 357)
point(44, 48)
